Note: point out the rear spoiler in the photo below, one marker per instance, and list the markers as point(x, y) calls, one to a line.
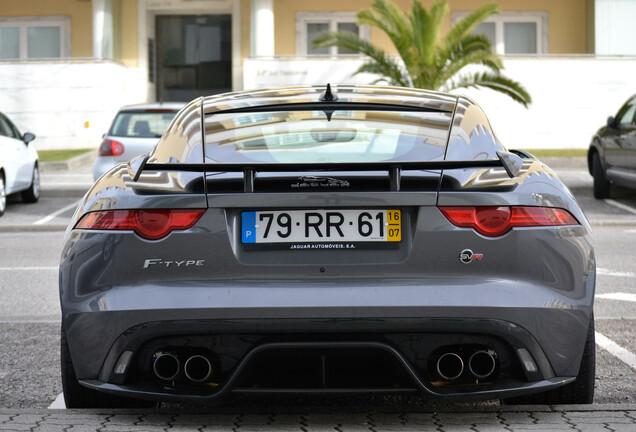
point(509, 161)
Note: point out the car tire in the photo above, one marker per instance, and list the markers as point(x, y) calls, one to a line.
point(3, 195)
point(78, 396)
point(32, 194)
point(581, 391)
point(601, 184)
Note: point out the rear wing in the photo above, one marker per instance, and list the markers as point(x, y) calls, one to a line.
point(509, 161)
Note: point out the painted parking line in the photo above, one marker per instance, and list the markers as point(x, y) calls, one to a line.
point(58, 403)
point(621, 206)
point(618, 296)
point(608, 272)
point(55, 214)
point(616, 350)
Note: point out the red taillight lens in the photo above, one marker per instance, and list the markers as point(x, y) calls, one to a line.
point(111, 148)
point(496, 221)
point(149, 224)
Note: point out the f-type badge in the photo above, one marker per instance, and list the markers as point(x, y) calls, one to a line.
point(467, 256)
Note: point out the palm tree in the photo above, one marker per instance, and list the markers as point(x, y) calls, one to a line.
point(429, 60)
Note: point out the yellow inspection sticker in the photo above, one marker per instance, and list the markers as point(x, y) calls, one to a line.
point(394, 225)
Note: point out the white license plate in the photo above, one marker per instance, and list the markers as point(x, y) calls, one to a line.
point(313, 226)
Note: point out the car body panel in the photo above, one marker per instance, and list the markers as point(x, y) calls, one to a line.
point(18, 159)
point(531, 288)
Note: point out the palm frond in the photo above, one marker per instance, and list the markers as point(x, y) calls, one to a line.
point(428, 61)
point(466, 25)
point(388, 17)
point(382, 64)
point(496, 82)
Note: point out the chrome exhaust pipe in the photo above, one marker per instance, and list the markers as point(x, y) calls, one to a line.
point(166, 366)
point(482, 364)
point(198, 369)
point(450, 366)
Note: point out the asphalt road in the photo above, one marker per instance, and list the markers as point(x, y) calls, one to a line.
point(30, 243)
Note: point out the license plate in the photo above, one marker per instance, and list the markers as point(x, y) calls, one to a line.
point(315, 226)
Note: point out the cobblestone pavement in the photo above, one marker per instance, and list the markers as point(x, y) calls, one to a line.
point(592, 418)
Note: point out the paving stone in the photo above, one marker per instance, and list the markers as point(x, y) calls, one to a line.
point(5, 418)
point(596, 415)
point(16, 427)
point(490, 428)
point(156, 420)
point(93, 421)
point(549, 417)
point(201, 420)
point(467, 418)
point(591, 427)
point(31, 419)
point(354, 418)
point(536, 427)
point(516, 418)
point(82, 428)
point(458, 428)
point(621, 427)
point(50, 428)
point(271, 428)
point(132, 427)
point(413, 419)
point(601, 420)
point(122, 419)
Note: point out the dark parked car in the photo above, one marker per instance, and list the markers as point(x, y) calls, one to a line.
point(304, 240)
point(611, 157)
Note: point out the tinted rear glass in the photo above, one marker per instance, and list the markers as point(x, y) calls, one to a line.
point(320, 136)
point(141, 124)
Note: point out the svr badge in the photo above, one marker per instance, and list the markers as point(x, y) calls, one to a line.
point(467, 256)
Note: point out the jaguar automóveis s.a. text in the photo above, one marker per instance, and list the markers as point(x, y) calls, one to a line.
point(353, 239)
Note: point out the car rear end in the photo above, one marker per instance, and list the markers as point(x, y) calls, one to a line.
point(135, 130)
point(310, 264)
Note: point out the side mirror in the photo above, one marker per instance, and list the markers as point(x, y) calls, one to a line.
point(27, 137)
point(611, 122)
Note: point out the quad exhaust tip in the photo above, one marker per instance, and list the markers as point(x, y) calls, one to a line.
point(198, 369)
point(450, 366)
point(482, 364)
point(166, 366)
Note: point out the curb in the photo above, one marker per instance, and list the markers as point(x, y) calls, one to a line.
point(70, 164)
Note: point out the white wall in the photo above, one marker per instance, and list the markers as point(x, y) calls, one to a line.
point(54, 100)
point(573, 96)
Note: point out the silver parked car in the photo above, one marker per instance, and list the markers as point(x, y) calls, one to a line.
point(135, 130)
point(312, 240)
point(19, 164)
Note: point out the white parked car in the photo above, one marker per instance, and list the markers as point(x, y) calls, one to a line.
point(134, 131)
point(19, 171)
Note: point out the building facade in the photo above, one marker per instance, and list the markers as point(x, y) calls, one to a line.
point(67, 66)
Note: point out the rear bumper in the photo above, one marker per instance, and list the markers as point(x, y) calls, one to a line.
point(410, 334)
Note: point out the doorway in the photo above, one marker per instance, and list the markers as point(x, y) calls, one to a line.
point(194, 56)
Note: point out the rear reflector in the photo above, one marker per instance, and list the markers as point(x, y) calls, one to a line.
point(111, 148)
point(496, 221)
point(151, 224)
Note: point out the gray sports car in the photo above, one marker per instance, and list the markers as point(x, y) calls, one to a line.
point(354, 239)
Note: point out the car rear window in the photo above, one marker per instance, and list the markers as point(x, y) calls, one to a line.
point(142, 124)
point(326, 136)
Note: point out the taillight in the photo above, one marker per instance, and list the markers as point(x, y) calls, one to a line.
point(111, 148)
point(151, 224)
point(496, 221)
